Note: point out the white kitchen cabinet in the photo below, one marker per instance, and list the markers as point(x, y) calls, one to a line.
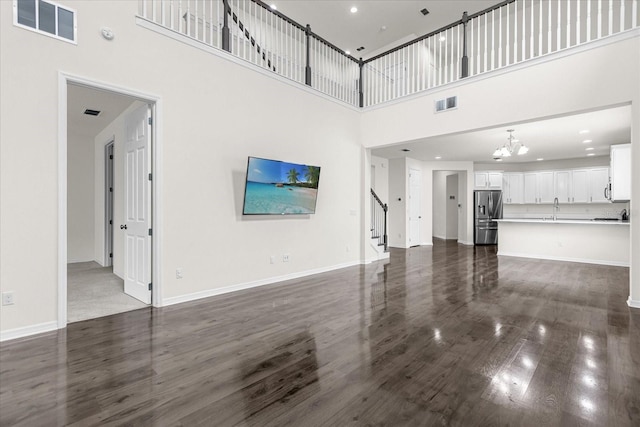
point(620, 190)
point(580, 186)
point(538, 187)
point(598, 183)
point(546, 194)
point(530, 190)
point(562, 185)
point(513, 188)
point(488, 180)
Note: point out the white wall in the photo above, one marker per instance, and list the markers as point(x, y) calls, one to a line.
point(80, 206)
point(439, 210)
point(381, 186)
point(219, 114)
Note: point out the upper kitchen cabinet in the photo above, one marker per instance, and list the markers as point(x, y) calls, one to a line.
point(562, 185)
point(488, 180)
point(620, 184)
point(538, 187)
point(598, 183)
point(513, 188)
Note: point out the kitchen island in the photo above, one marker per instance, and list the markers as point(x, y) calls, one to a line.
point(588, 241)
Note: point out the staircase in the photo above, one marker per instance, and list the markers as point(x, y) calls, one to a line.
point(379, 226)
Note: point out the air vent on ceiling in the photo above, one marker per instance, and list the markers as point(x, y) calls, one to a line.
point(90, 112)
point(446, 104)
point(424, 11)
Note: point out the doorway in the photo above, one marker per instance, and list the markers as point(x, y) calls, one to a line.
point(118, 142)
point(415, 180)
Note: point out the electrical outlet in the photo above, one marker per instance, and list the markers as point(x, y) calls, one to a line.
point(179, 273)
point(7, 298)
point(285, 258)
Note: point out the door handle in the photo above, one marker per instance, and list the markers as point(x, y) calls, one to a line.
point(123, 227)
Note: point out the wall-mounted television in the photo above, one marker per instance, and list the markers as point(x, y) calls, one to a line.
point(275, 187)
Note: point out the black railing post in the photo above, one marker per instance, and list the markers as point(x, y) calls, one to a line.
point(360, 91)
point(386, 208)
point(465, 60)
point(226, 34)
point(307, 70)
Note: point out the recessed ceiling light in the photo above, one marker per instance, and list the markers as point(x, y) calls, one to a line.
point(438, 157)
point(274, 7)
point(591, 154)
point(589, 148)
point(424, 11)
point(405, 149)
point(539, 159)
point(354, 9)
point(582, 132)
point(586, 141)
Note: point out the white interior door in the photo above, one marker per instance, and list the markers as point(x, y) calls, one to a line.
point(415, 180)
point(137, 203)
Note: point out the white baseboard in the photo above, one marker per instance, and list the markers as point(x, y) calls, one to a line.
point(248, 285)
point(26, 331)
point(566, 259)
point(464, 242)
point(633, 303)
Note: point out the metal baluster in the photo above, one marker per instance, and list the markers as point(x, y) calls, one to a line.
point(622, 15)
point(578, 23)
point(524, 32)
point(549, 35)
point(540, 30)
point(634, 14)
point(508, 42)
point(486, 39)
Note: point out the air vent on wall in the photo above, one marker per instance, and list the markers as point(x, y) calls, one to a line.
point(446, 104)
point(90, 112)
point(424, 11)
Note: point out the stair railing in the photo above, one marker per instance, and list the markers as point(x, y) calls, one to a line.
point(379, 220)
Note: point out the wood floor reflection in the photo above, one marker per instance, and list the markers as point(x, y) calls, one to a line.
point(443, 335)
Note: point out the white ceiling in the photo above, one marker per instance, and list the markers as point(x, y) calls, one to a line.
point(80, 98)
point(333, 21)
point(551, 139)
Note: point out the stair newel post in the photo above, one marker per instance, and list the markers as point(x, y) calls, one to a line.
point(307, 70)
point(465, 59)
point(386, 208)
point(226, 33)
point(360, 85)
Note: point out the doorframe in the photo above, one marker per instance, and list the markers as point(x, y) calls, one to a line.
point(155, 102)
point(108, 202)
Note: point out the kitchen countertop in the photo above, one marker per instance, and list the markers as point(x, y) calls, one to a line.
point(563, 221)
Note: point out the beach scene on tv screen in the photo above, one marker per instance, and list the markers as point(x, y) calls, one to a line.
point(275, 187)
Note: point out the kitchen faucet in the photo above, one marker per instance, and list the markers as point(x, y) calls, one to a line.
point(556, 208)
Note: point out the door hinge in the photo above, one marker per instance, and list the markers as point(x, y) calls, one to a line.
point(149, 177)
point(150, 121)
point(149, 232)
point(110, 255)
point(110, 156)
point(110, 190)
point(150, 286)
point(110, 222)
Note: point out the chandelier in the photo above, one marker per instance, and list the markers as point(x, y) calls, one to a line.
point(512, 145)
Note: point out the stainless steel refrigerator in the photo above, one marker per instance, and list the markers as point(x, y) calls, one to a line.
point(488, 208)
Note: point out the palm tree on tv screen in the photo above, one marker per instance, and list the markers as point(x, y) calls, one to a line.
point(312, 174)
point(292, 176)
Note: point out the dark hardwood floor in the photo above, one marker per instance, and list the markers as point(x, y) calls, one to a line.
point(449, 335)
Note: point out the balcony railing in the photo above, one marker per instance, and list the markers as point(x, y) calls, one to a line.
point(511, 32)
